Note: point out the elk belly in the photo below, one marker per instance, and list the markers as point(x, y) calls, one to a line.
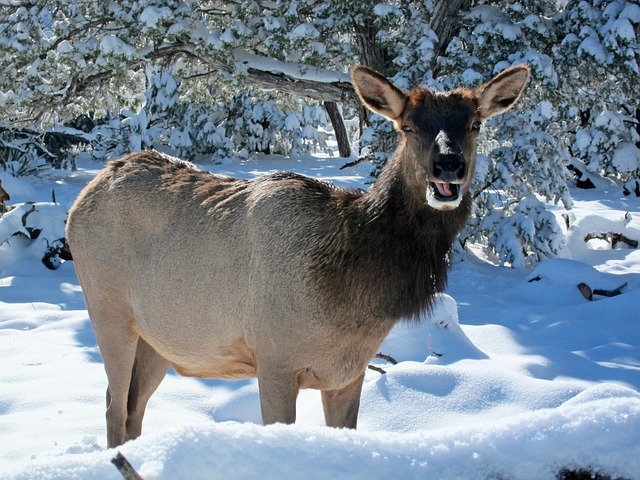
point(233, 361)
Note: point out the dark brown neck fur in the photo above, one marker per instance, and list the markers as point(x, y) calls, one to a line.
point(390, 256)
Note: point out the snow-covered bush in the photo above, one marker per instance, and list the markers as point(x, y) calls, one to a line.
point(608, 146)
point(37, 230)
point(582, 101)
point(600, 51)
point(378, 141)
point(210, 127)
point(30, 151)
point(522, 231)
point(22, 153)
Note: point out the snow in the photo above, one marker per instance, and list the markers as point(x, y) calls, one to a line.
point(304, 30)
point(383, 10)
point(583, 139)
point(112, 45)
point(65, 47)
point(291, 122)
point(471, 77)
point(49, 218)
point(151, 16)
point(591, 46)
point(624, 30)
point(626, 158)
point(513, 375)
point(632, 12)
point(509, 31)
point(545, 110)
point(228, 36)
point(298, 71)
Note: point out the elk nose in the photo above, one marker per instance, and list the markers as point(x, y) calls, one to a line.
point(448, 168)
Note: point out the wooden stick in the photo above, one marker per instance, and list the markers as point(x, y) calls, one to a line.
point(125, 468)
point(610, 293)
point(588, 293)
point(387, 358)
point(356, 162)
point(376, 369)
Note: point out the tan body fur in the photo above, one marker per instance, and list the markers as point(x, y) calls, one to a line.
point(282, 277)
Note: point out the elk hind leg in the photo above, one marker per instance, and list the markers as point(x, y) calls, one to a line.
point(118, 355)
point(341, 406)
point(149, 369)
point(117, 343)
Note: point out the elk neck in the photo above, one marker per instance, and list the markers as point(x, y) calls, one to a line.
point(391, 254)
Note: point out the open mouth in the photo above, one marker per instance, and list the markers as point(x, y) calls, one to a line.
point(444, 196)
point(445, 192)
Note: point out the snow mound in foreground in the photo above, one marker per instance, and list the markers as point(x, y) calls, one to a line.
point(599, 429)
point(437, 338)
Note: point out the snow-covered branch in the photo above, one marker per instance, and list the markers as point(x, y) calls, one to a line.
point(261, 72)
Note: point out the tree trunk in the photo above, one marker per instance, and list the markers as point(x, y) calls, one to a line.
point(371, 53)
point(445, 24)
point(344, 149)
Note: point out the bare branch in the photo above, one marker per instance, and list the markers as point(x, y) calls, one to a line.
point(611, 237)
point(357, 161)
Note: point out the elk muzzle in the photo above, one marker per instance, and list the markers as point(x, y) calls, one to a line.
point(449, 171)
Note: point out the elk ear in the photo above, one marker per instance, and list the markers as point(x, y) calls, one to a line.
point(377, 93)
point(502, 92)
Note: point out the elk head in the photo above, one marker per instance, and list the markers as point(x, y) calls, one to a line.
point(440, 129)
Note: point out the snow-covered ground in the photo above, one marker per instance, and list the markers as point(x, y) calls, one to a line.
point(515, 375)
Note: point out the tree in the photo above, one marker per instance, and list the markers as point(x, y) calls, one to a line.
point(584, 57)
point(64, 59)
point(581, 101)
point(226, 78)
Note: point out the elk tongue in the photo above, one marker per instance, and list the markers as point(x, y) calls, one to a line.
point(444, 189)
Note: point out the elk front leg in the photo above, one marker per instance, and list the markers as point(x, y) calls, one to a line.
point(341, 406)
point(278, 393)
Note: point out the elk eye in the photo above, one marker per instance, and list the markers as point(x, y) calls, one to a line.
point(406, 128)
point(476, 126)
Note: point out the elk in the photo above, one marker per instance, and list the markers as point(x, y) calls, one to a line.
point(283, 277)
